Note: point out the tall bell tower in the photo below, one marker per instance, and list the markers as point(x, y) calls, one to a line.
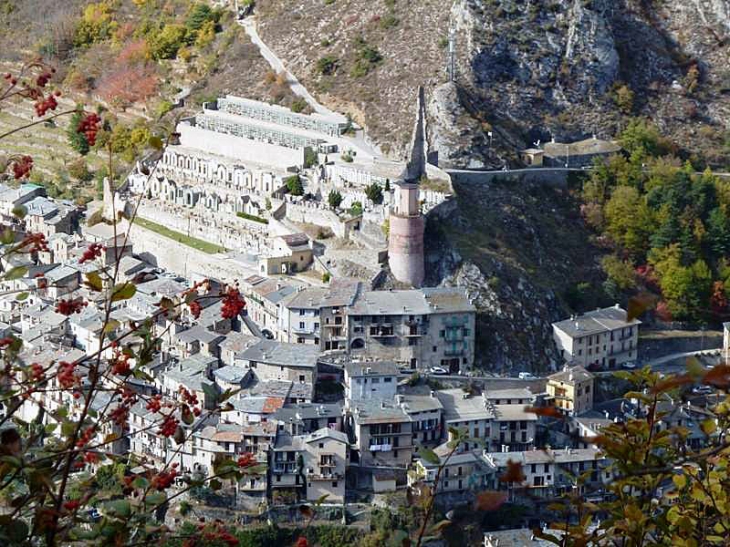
point(407, 224)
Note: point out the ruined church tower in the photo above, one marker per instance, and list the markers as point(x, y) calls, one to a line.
point(407, 224)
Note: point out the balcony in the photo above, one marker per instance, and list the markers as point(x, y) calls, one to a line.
point(382, 331)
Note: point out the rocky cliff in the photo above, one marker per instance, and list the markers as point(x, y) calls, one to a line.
point(526, 69)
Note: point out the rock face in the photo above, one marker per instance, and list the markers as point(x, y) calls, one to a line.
point(519, 249)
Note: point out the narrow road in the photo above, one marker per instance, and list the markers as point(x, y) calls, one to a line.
point(249, 25)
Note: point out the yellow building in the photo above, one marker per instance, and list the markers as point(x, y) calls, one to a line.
point(571, 390)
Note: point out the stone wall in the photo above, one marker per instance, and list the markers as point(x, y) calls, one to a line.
point(553, 177)
point(242, 149)
point(183, 260)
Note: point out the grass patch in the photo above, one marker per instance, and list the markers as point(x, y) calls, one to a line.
point(252, 217)
point(193, 242)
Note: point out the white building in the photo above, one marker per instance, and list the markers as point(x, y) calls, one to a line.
point(370, 380)
point(599, 339)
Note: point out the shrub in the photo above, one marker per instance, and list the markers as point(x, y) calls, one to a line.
point(374, 193)
point(326, 276)
point(294, 185)
point(624, 99)
point(327, 65)
point(334, 199)
point(299, 105)
point(389, 21)
point(79, 170)
point(255, 218)
point(356, 209)
point(166, 43)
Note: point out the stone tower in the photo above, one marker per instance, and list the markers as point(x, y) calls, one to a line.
point(407, 225)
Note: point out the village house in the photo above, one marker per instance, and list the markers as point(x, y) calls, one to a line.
point(571, 390)
point(383, 434)
point(551, 473)
point(426, 413)
point(418, 328)
point(317, 315)
point(271, 360)
point(289, 254)
point(603, 338)
point(303, 418)
point(264, 303)
point(370, 380)
point(465, 471)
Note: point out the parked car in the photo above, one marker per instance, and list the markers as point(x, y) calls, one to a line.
point(526, 376)
point(630, 365)
point(441, 371)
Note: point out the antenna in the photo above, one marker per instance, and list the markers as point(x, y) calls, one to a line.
point(452, 54)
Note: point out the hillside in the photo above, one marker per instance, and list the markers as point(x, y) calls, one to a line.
point(523, 253)
point(525, 70)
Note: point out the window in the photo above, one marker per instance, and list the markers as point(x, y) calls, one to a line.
point(278, 478)
point(301, 324)
point(413, 341)
point(442, 333)
point(301, 312)
point(388, 380)
point(547, 467)
point(434, 349)
point(533, 468)
point(375, 381)
point(334, 484)
point(301, 379)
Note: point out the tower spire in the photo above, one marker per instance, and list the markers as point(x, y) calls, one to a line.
point(416, 166)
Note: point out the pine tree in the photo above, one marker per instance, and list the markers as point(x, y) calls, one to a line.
point(76, 139)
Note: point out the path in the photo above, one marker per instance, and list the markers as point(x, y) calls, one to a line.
point(359, 142)
point(249, 25)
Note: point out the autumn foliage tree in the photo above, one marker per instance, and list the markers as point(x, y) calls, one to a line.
point(58, 465)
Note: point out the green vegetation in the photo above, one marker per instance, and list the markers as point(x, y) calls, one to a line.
point(310, 158)
point(668, 225)
point(356, 209)
point(76, 139)
point(367, 58)
point(334, 199)
point(374, 193)
point(294, 185)
point(327, 65)
point(299, 105)
point(252, 217)
point(193, 242)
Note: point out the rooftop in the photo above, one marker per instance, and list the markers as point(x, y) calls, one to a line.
point(338, 293)
point(597, 321)
point(283, 354)
point(581, 148)
point(571, 375)
point(379, 412)
point(371, 368)
point(412, 302)
point(459, 405)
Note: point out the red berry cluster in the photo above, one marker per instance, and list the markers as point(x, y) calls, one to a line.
point(89, 126)
point(120, 363)
point(92, 252)
point(46, 103)
point(22, 166)
point(66, 375)
point(195, 309)
point(70, 306)
point(168, 426)
point(302, 542)
point(37, 373)
point(214, 534)
point(35, 243)
point(6, 341)
point(71, 505)
point(120, 415)
point(154, 404)
point(233, 303)
point(164, 479)
point(85, 437)
point(246, 460)
point(44, 78)
point(91, 457)
point(188, 397)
